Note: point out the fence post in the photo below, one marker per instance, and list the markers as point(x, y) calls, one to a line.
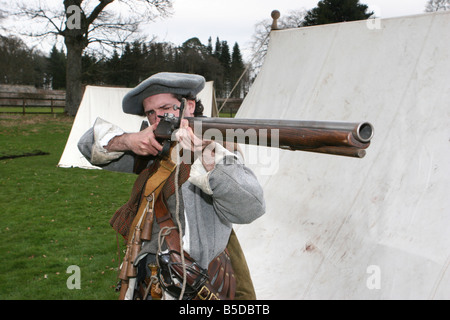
point(23, 106)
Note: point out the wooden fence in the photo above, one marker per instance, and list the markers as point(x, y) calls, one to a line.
point(24, 100)
point(231, 106)
point(37, 102)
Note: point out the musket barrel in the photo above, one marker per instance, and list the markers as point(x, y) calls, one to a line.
point(315, 136)
point(333, 137)
point(363, 131)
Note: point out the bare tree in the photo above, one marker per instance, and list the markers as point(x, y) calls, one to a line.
point(83, 22)
point(260, 39)
point(437, 5)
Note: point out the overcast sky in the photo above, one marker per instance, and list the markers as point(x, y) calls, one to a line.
point(234, 20)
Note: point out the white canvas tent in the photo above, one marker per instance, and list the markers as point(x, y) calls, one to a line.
point(345, 228)
point(106, 102)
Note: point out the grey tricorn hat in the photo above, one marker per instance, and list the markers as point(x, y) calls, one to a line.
point(165, 82)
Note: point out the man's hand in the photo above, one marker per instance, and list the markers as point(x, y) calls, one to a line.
point(190, 142)
point(142, 143)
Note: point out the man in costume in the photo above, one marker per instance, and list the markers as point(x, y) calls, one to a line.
point(202, 200)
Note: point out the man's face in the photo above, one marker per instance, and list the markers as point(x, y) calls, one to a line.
point(160, 104)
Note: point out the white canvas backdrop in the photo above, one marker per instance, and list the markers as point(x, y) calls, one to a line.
point(106, 102)
point(345, 228)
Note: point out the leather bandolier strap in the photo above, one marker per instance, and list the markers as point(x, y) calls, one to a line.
point(158, 179)
point(221, 283)
point(122, 219)
point(127, 220)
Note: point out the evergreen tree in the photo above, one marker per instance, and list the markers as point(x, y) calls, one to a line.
point(92, 70)
point(136, 62)
point(57, 69)
point(225, 57)
point(113, 68)
point(332, 11)
point(140, 60)
point(39, 70)
point(193, 55)
point(161, 57)
point(237, 67)
point(225, 61)
point(209, 48)
point(218, 48)
point(127, 67)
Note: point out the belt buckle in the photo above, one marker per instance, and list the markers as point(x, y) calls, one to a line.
point(200, 293)
point(208, 296)
point(213, 297)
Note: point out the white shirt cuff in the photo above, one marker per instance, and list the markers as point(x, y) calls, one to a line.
point(103, 133)
point(199, 176)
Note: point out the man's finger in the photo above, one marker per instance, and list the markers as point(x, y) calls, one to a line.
point(184, 124)
point(153, 126)
point(152, 140)
point(155, 144)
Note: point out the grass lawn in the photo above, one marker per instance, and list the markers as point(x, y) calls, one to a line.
point(52, 218)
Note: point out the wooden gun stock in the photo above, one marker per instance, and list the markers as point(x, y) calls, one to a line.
point(331, 137)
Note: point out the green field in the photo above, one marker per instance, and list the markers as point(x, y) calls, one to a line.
point(53, 218)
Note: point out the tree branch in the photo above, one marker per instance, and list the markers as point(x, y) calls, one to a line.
point(97, 22)
point(97, 10)
point(40, 13)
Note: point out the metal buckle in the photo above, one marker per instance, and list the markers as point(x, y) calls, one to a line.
point(201, 292)
point(208, 296)
point(213, 297)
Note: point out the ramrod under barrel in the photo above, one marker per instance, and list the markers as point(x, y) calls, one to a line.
point(332, 137)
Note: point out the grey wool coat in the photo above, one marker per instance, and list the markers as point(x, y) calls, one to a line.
point(229, 194)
